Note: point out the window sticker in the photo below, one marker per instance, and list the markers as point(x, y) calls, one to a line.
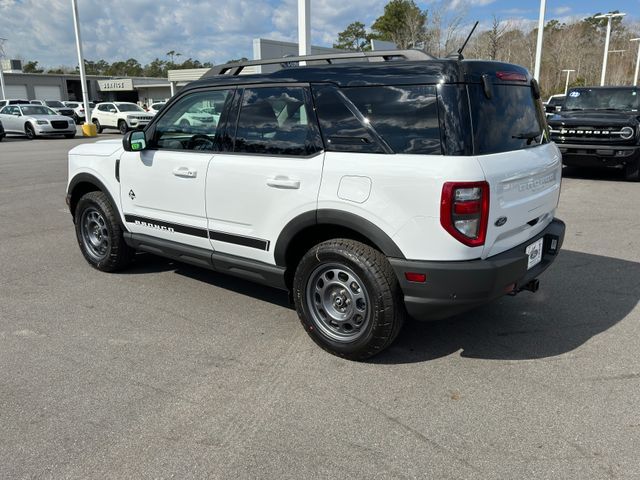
point(574, 94)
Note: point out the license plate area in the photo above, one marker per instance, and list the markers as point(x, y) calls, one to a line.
point(534, 253)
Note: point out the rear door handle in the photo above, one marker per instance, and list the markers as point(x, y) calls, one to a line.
point(280, 181)
point(185, 172)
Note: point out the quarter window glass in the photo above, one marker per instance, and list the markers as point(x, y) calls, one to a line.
point(275, 121)
point(192, 122)
point(341, 130)
point(406, 117)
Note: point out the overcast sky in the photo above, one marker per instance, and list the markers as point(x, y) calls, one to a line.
point(217, 30)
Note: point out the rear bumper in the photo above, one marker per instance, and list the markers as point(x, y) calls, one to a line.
point(576, 155)
point(454, 287)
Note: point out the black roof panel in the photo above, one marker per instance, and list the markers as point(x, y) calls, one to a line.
point(370, 73)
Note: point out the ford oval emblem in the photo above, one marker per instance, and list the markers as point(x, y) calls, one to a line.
point(501, 221)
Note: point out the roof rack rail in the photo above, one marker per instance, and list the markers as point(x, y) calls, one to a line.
point(375, 55)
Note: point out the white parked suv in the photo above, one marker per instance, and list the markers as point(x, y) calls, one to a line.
point(368, 190)
point(123, 116)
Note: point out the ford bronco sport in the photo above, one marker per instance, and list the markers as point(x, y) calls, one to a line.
point(389, 184)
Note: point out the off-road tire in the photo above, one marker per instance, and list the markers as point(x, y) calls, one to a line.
point(385, 308)
point(99, 128)
point(117, 254)
point(123, 128)
point(29, 131)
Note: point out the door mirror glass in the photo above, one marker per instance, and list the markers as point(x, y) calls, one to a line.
point(134, 141)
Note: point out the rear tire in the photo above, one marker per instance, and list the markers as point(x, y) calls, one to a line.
point(100, 234)
point(123, 127)
point(96, 122)
point(348, 298)
point(29, 131)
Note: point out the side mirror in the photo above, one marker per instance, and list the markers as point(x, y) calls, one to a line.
point(113, 110)
point(134, 141)
point(17, 114)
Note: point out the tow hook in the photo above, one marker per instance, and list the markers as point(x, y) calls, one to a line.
point(531, 286)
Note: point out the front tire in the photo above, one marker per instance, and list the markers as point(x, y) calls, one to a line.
point(29, 131)
point(100, 234)
point(96, 122)
point(348, 298)
point(70, 135)
point(123, 127)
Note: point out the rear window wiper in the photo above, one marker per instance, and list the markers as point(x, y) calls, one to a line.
point(529, 137)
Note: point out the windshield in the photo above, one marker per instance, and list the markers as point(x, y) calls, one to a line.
point(37, 110)
point(54, 103)
point(129, 107)
point(625, 99)
point(72, 105)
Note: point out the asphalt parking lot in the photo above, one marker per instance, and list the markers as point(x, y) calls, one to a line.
point(169, 371)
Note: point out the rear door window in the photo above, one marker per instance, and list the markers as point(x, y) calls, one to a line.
point(276, 121)
point(511, 119)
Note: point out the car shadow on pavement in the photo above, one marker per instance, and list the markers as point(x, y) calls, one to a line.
point(580, 296)
point(149, 263)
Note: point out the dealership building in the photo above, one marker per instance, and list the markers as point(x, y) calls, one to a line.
point(40, 86)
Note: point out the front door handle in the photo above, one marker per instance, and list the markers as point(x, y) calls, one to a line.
point(185, 172)
point(280, 181)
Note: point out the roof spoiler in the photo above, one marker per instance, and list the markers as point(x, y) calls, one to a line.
point(371, 56)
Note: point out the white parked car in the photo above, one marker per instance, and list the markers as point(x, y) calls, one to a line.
point(13, 101)
point(78, 110)
point(123, 116)
point(36, 120)
point(154, 108)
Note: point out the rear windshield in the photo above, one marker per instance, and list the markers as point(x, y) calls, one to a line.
point(510, 120)
point(625, 99)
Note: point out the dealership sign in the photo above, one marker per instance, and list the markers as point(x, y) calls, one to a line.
point(125, 84)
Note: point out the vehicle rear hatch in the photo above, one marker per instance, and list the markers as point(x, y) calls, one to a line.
point(512, 146)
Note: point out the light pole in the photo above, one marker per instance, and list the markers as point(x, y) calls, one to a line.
point(86, 130)
point(566, 85)
point(2, 40)
point(635, 77)
point(608, 16)
point(304, 28)
point(536, 70)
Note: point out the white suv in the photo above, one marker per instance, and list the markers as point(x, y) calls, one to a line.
point(368, 190)
point(123, 116)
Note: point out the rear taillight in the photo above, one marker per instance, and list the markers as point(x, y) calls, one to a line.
point(464, 211)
